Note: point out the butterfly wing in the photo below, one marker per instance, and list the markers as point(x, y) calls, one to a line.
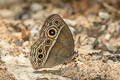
point(63, 48)
point(55, 44)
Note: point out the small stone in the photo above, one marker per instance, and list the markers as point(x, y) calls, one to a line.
point(34, 31)
point(6, 13)
point(18, 42)
point(111, 47)
point(70, 22)
point(118, 57)
point(98, 76)
point(17, 35)
point(106, 53)
point(91, 40)
point(29, 22)
point(104, 15)
point(98, 57)
point(103, 27)
point(113, 58)
point(117, 28)
point(107, 36)
point(4, 45)
point(111, 28)
point(26, 16)
point(26, 44)
point(36, 7)
point(79, 63)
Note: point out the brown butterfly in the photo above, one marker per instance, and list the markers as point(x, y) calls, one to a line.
point(54, 46)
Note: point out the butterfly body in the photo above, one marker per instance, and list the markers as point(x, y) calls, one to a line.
point(54, 46)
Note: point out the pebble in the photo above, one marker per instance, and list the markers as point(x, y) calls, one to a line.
point(26, 44)
point(91, 40)
point(111, 60)
point(114, 27)
point(98, 76)
point(118, 57)
point(6, 13)
point(25, 16)
point(18, 42)
point(29, 22)
point(117, 28)
point(3, 53)
point(114, 58)
point(111, 47)
point(107, 36)
point(4, 45)
point(111, 28)
point(106, 53)
point(34, 31)
point(70, 22)
point(104, 15)
point(98, 57)
point(36, 7)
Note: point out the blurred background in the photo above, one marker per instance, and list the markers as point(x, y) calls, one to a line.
point(25, 9)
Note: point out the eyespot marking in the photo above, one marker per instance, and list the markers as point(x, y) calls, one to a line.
point(40, 56)
point(52, 32)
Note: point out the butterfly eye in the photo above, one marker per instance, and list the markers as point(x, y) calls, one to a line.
point(52, 32)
